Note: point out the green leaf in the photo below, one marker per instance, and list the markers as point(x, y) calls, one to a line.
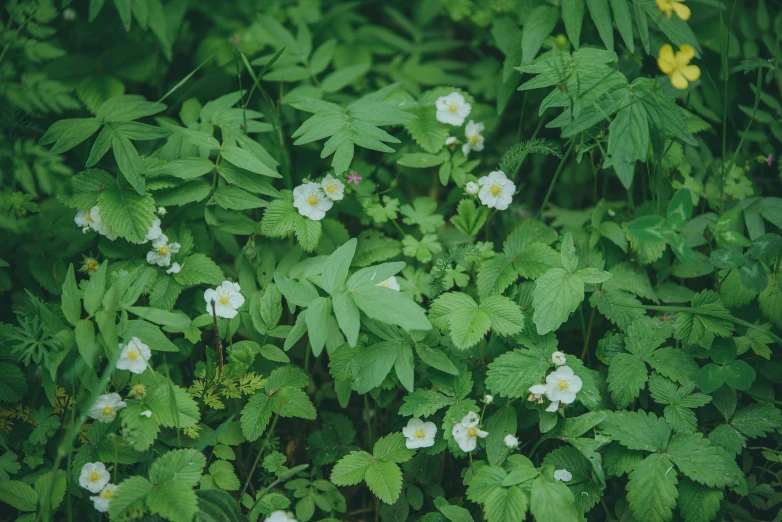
point(71, 304)
point(422, 213)
point(335, 269)
point(703, 462)
point(638, 430)
point(224, 476)
point(199, 269)
point(557, 294)
point(512, 373)
point(129, 162)
point(66, 134)
point(292, 402)
point(573, 17)
point(129, 214)
point(172, 406)
point(384, 480)
point(627, 376)
point(127, 108)
point(351, 468)
point(650, 228)
point(708, 319)
point(423, 403)
point(234, 198)
point(598, 10)
point(651, 490)
point(317, 318)
point(392, 448)
point(256, 415)
point(341, 78)
point(469, 219)
point(698, 503)
point(551, 499)
point(418, 160)
point(389, 306)
point(739, 375)
point(246, 160)
point(372, 364)
point(18, 495)
point(624, 22)
point(680, 208)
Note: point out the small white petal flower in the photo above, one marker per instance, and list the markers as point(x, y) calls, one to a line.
point(472, 188)
point(94, 476)
point(106, 407)
point(134, 356)
point(419, 434)
point(391, 283)
point(280, 516)
point(450, 140)
point(474, 138)
point(95, 221)
point(83, 220)
point(488, 399)
point(162, 211)
point(553, 407)
point(334, 188)
point(466, 432)
point(154, 231)
point(563, 475)
point(160, 254)
point(562, 385)
point(452, 109)
point(536, 391)
point(496, 190)
point(311, 202)
point(147, 414)
point(175, 268)
point(101, 501)
point(511, 441)
point(227, 299)
point(559, 358)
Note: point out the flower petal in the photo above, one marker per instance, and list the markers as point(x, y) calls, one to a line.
point(678, 80)
point(682, 11)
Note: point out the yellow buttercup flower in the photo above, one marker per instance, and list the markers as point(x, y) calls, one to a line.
point(674, 6)
point(678, 67)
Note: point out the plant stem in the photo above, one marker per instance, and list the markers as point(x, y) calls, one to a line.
point(556, 176)
point(265, 445)
point(588, 335)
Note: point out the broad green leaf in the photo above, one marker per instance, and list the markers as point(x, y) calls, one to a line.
point(651, 489)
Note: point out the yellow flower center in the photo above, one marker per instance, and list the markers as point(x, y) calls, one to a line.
point(163, 250)
point(94, 476)
point(107, 494)
point(563, 385)
point(107, 410)
point(133, 355)
point(472, 432)
point(312, 199)
point(474, 139)
point(495, 190)
point(92, 265)
point(139, 390)
point(224, 299)
point(452, 108)
point(420, 433)
point(331, 188)
point(89, 218)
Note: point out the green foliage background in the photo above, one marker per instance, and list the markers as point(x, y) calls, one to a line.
point(643, 241)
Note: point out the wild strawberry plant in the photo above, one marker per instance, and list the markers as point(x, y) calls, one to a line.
point(432, 261)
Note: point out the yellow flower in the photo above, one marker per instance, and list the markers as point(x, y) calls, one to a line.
point(678, 67)
point(670, 6)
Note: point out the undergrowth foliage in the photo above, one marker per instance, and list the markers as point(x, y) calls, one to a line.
point(435, 261)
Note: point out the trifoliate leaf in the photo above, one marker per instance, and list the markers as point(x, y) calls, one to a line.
point(696, 328)
point(705, 463)
point(223, 475)
point(384, 480)
point(422, 213)
point(638, 430)
point(351, 468)
point(467, 322)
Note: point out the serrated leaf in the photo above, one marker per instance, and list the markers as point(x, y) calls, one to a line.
point(651, 490)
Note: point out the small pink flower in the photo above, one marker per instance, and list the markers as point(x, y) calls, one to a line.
point(770, 159)
point(354, 178)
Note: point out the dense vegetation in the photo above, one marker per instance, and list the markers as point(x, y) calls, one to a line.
point(464, 260)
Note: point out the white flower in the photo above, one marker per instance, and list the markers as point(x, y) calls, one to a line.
point(154, 231)
point(563, 475)
point(472, 188)
point(466, 432)
point(162, 211)
point(106, 407)
point(334, 188)
point(227, 299)
point(311, 202)
point(134, 356)
point(175, 269)
point(511, 441)
point(69, 15)
point(96, 223)
point(147, 414)
point(390, 283)
point(450, 140)
point(419, 434)
point(452, 109)
point(496, 190)
point(553, 407)
point(160, 254)
point(474, 138)
point(83, 220)
point(536, 391)
point(558, 358)
point(280, 516)
point(562, 385)
point(101, 502)
point(488, 399)
point(94, 476)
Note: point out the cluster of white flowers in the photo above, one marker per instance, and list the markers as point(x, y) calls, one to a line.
point(419, 434)
point(91, 220)
point(561, 386)
point(106, 407)
point(280, 516)
point(134, 356)
point(94, 477)
point(467, 432)
point(313, 200)
point(224, 301)
point(391, 283)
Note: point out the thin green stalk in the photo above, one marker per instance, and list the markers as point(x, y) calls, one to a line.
point(571, 142)
point(261, 451)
